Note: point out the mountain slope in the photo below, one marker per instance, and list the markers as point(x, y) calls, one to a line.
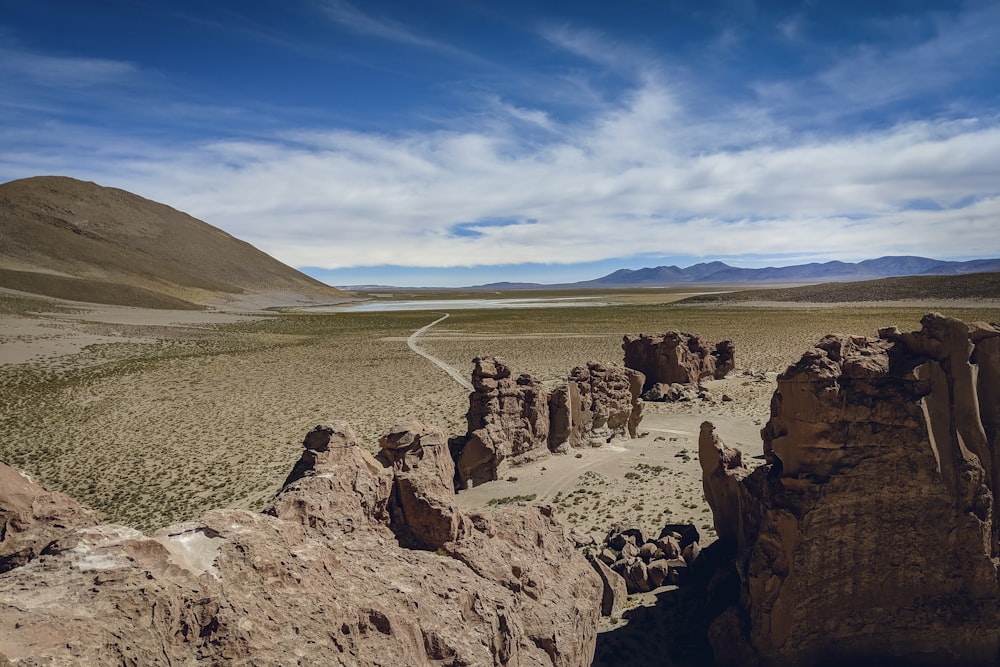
point(719, 272)
point(77, 240)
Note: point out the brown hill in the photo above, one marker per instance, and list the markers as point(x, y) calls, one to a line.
point(77, 240)
point(971, 286)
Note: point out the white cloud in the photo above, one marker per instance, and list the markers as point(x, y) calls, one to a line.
point(615, 186)
point(644, 172)
point(77, 72)
point(349, 16)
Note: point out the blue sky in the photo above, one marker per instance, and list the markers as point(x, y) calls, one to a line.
point(454, 142)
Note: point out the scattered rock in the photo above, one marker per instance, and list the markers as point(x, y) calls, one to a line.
point(665, 552)
point(671, 393)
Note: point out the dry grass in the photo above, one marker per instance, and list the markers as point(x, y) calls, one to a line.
point(80, 241)
point(176, 420)
point(973, 286)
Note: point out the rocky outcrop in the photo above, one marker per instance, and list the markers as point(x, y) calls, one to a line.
point(870, 533)
point(421, 505)
point(677, 358)
point(323, 577)
point(515, 420)
point(597, 403)
point(508, 421)
point(722, 472)
point(31, 517)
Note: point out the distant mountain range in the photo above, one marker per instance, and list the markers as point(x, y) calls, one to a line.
point(69, 239)
point(720, 273)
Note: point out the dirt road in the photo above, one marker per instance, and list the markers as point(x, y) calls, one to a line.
point(455, 374)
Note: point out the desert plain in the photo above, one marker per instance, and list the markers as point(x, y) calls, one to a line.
point(155, 416)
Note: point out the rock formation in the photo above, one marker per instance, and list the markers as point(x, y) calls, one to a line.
point(323, 576)
point(677, 358)
point(870, 533)
point(31, 518)
point(508, 421)
point(722, 471)
point(515, 420)
point(421, 505)
point(597, 403)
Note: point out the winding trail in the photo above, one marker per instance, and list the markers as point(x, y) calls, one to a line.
point(455, 374)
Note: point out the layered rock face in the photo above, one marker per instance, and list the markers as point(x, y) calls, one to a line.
point(422, 511)
point(870, 533)
point(515, 420)
point(324, 576)
point(677, 358)
point(508, 419)
point(598, 403)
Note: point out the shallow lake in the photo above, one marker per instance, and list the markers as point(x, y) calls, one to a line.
point(381, 305)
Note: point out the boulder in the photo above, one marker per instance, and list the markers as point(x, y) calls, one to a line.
point(615, 592)
point(870, 533)
point(677, 357)
point(677, 570)
point(319, 578)
point(636, 577)
point(669, 545)
point(658, 571)
point(683, 533)
point(648, 551)
point(622, 534)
